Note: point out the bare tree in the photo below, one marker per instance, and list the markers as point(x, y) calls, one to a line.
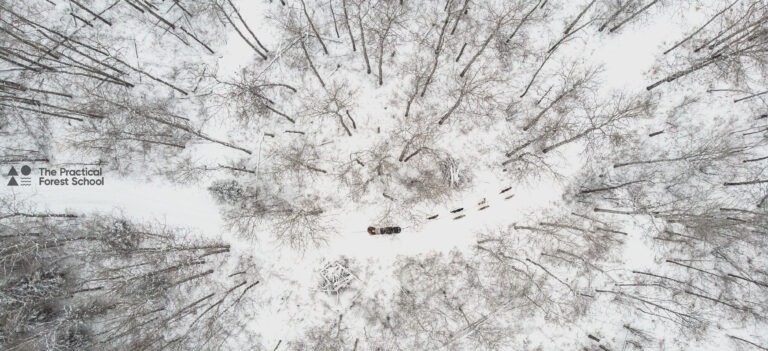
point(574, 83)
point(606, 121)
point(391, 15)
point(106, 282)
point(333, 104)
point(474, 96)
point(348, 24)
point(731, 48)
point(312, 25)
point(303, 225)
point(360, 17)
point(253, 96)
point(500, 19)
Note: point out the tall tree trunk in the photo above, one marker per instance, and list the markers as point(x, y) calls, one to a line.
point(609, 188)
point(452, 109)
point(412, 97)
point(461, 52)
point(569, 140)
point(198, 134)
point(482, 48)
point(615, 14)
point(280, 113)
point(438, 50)
point(755, 159)
point(458, 17)
point(751, 96)
point(581, 14)
point(647, 162)
point(196, 39)
point(312, 25)
point(542, 112)
point(381, 53)
point(685, 72)
point(237, 30)
point(522, 21)
point(349, 27)
point(94, 14)
point(700, 28)
point(246, 26)
point(535, 74)
point(751, 182)
point(646, 7)
point(333, 15)
point(311, 65)
point(341, 120)
point(362, 40)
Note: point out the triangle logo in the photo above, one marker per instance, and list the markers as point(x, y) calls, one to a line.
point(12, 172)
point(13, 182)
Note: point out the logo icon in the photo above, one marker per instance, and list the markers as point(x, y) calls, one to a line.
point(12, 173)
point(24, 178)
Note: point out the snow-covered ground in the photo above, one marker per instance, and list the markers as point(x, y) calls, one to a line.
point(494, 201)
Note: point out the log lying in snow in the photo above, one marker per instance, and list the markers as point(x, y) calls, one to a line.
point(458, 210)
point(459, 217)
point(432, 217)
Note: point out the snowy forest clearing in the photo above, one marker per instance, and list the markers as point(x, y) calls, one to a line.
point(188, 207)
point(567, 175)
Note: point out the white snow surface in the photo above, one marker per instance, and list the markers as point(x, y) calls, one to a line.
point(627, 59)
